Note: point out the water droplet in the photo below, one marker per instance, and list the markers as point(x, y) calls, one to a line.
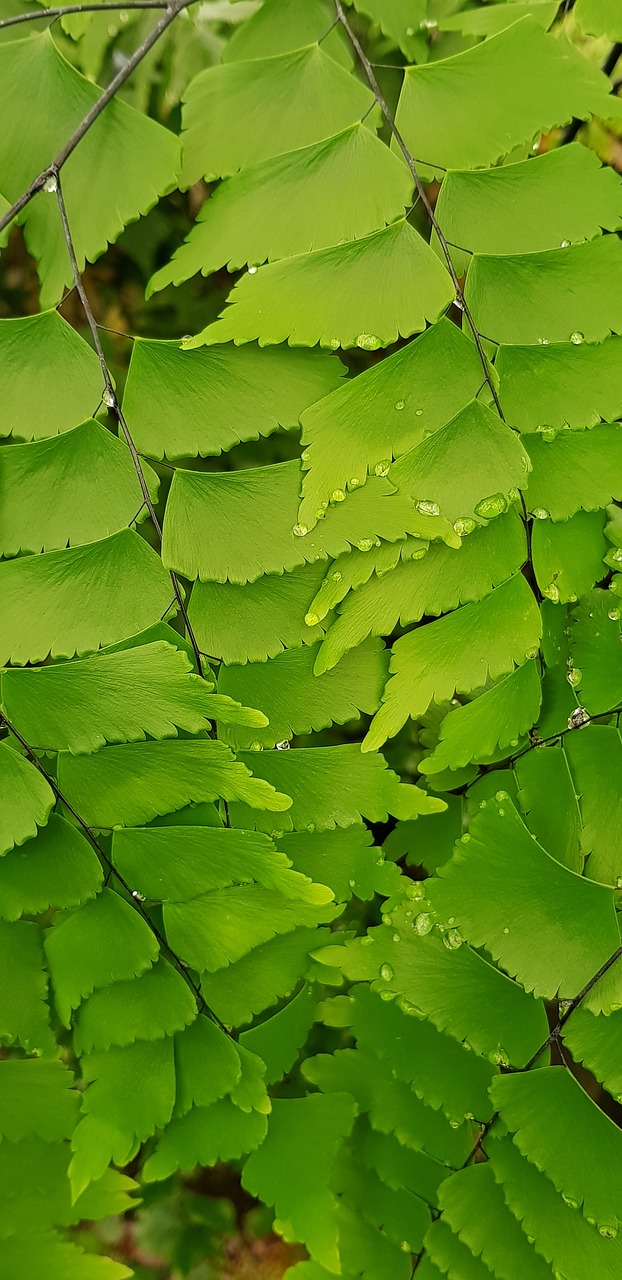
point(368, 341)
point(544, 342)
point(336, 576)
point(614, 614)
point(385, 972)
point(618, 884)
point(422, 924)
point(428, 24)
point(428, 508)
point(551, 592)
point(140, 897)
point(108, 398)
point(454, 1124)
point(407, 1007)
point(609, 1232)
point(365, 544)
point(387, 995)
point(320, 513)
point(252, 271)
point(488, 508)
point(352, 883)
point(338, 495)
point(311, 619)
point(506, 930)
point(564, 244)
point(548, 433)
point(399, 404)
point(418, 413)
point(466, 837)
point(617, 555)
point(404, 1246)
point(353, 482)
point(410, 31)
point(255, 746)
point(579, 717)
point(464, 526)
point(574, 677)
point(300, 530)
point(282, 746)
point(577, 338)
point(540, 513)
point(535, 146)
point(396, 937)
point(387, 918)
point(452, 940)
point(334, 343)
point(366, 941)
point(382, 468)
point(50, 185)
point(500, 1058)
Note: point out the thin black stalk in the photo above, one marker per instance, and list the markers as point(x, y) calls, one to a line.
point(51, 170)
point(110, 399)
point(111, 869)
point(423, 196)
point(60, 12)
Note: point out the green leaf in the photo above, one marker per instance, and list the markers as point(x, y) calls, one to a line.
point(575, 470)
point(599, 18)
point(457, 989)
point(45, 1255)
point(397, 19)
point(74, 488)
point(176, 864)
point(389, 408)
point(115, 697)
point(256, 981)
point(438, 474)
point(26, 799)
point(436, 583)
point(239, 525)
point(37, 1097)
point(279, 1039)
point(334, 787)
point(275, 609)
point(563, 194)
point(55, 99)
point(130, 1093)
point(24, 1014)
point(562, 295)
point(243, 112)
point(181, 403)
point(473, 1206)
point(580, 1150)
point(297, 702)
point(459, 653)
point(593, 759)
point(152, 1005)
point(444, 108)
point(439, 1070)
point(489, 21)
point(131, 784)
point(546, 926)
point(495, 720)
point(562, 1236)
point(52, 379)
point(597, 1043)
point(281, 25)
point(345, 859)
point(292, 1167)
point(365, 293)
point(356, 567)
point(445, 1248)
point(549, 804)
point(560, 385)
point(568, 557)
point(205, 1136)
point(200, 1043)
point(335, 190)
point(596, 651)
point(220, 927)
point(59, 868)
point(105, 941)
point(79, 599)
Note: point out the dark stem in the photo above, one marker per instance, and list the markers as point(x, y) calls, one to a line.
point(17, 19)
point(423, 196)
point(112, 870)
point(108, 94)
point(112, 403)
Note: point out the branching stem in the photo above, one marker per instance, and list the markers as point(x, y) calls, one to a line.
point(62, 10)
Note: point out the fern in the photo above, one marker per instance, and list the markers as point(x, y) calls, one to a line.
point(310, 798)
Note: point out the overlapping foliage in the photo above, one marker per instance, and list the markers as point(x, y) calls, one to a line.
point(376, 969)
